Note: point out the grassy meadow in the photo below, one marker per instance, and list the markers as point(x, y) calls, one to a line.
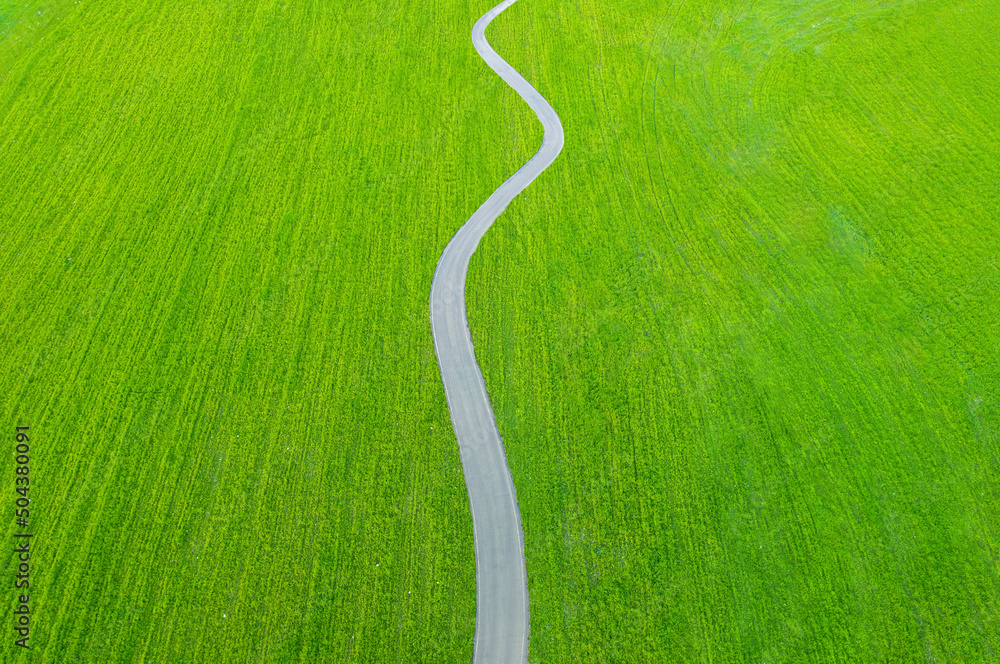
point(220, 224)
point(742, 337)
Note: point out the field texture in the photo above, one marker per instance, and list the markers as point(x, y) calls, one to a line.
point(219, 226)
point(742, 338)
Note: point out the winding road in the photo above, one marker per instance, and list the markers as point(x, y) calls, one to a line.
point(501, 579)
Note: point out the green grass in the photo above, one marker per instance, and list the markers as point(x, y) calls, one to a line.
point(10, 14)
point(220, 224)
point(742, 339)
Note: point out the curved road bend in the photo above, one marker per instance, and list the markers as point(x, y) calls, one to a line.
point(501, 580)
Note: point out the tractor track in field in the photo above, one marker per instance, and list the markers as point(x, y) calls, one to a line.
point(502, 623)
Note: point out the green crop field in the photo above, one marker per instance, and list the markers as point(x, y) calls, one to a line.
point(742, 337)
point(219, 227)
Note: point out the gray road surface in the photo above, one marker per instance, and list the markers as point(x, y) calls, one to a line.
point(501, 580)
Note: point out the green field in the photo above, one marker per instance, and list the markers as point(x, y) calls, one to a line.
point(742, 337)
point(220, 224)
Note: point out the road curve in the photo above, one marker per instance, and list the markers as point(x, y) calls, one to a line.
point(501, 579)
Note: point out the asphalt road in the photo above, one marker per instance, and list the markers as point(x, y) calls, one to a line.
point(501, 580)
